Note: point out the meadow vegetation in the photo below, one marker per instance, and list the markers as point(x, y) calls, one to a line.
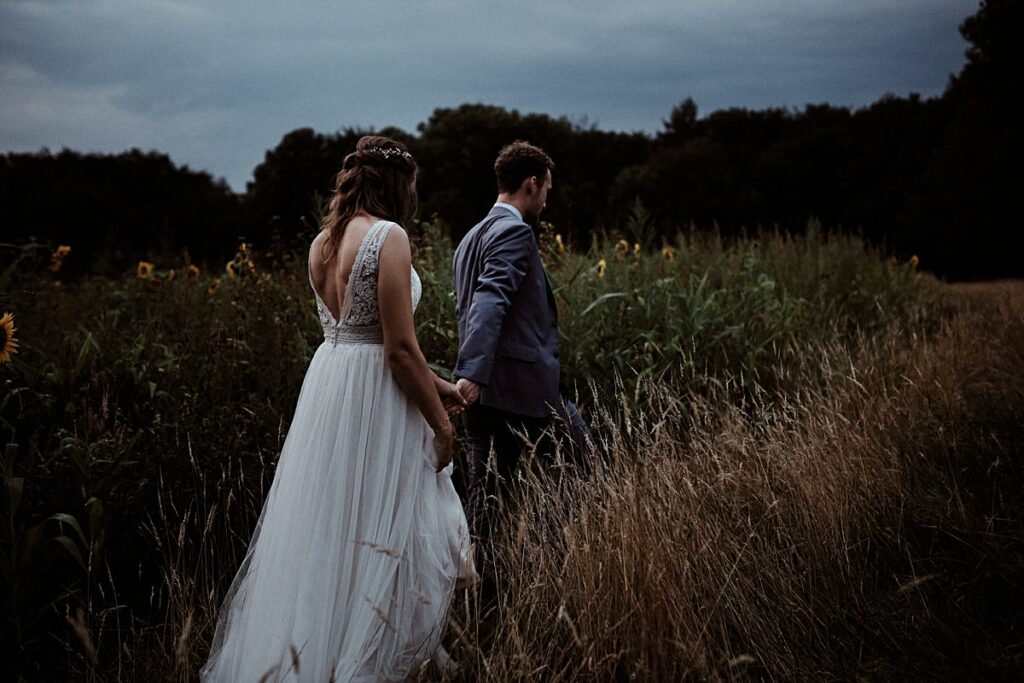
point(812, 463)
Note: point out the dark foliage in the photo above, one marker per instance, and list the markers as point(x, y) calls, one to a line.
point(116, 209)
point(931, 177)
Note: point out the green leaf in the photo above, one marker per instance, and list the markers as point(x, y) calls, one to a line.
point(72, 548)
point(15, 487)
point(441, 371)
point(601, 299)
point(64, 518)
point(83, 353)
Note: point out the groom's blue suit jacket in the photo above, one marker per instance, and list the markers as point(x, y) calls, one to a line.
point(508, 321)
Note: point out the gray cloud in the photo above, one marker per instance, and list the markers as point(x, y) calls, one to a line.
point(216, 83)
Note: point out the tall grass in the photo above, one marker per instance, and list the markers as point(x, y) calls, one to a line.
point(808, 447)
point(868, 527)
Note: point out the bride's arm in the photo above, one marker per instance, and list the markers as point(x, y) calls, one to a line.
point(400, 346)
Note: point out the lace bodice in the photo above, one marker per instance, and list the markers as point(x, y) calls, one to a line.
point(360, 313)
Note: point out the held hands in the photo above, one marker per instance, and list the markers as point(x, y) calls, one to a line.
point(469, 390)
point(455, 398)
point(451, 398)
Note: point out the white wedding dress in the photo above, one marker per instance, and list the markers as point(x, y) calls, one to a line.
point(354, 559)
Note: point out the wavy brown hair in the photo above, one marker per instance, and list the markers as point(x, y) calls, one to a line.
point(518, 161)
point(379, 178)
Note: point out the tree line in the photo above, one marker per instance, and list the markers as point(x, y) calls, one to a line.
point(929, 177)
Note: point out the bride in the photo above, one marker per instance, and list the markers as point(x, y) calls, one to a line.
point(362, 538)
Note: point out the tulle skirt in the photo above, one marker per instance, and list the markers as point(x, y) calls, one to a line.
point(356, 553)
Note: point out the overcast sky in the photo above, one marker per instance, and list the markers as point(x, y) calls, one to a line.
point(216, 83)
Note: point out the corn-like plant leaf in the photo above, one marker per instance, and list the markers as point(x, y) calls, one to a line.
point(601, 299)
point(65, 518)
point(72, 548)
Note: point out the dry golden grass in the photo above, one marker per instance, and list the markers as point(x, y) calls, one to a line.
point(779, 540)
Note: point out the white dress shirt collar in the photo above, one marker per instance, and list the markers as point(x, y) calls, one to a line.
point(511, 208)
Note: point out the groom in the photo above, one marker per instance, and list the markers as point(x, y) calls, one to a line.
point(508, 369)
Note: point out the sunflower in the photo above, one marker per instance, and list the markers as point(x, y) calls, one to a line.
point(191, 273)
point(214, 285)
point(668, 252)
point(621, 249)
point(57, 257)
point(245, 256)
point(144, 270)
point(231, 268)
point(602, 265)
point(8, 343)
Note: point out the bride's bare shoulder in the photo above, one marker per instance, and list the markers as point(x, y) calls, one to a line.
point(316, 251)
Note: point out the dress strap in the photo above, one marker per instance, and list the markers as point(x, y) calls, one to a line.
point(364, 268)
point(374, 239)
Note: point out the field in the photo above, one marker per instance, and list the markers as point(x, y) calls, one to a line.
point(813, 464)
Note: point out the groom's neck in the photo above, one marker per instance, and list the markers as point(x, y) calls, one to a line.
point(515, 200)
point(520, 202)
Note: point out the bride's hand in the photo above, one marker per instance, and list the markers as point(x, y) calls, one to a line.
point(444, 445)
point(452, 399)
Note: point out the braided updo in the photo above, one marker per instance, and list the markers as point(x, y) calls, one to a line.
point(379, 178)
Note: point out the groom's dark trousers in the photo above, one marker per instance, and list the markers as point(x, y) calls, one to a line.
point(508, 345)
point(496, 442)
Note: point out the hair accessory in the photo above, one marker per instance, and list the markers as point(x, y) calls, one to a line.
point(388, 152)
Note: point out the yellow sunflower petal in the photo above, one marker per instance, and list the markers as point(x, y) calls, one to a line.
point(8, 342)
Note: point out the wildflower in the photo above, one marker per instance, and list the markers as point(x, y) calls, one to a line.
point(602, 266)
point(214, 286)
point(621, 249)
point(57, 258)
point(170, 275)
point(8, 342)
point(913, 262)
point(191, 273)
point(636, 249)
point(668, 252)
point(559, 244)
point(231, 268)
point(144, 270)
point(245, 256)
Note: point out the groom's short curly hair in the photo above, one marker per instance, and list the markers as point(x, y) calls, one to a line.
point(517, 162)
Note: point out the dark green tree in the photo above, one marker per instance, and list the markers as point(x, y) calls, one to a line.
point(293, 180)
point(965, 212)
point(116, 209)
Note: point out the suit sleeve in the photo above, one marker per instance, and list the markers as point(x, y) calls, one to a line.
point(506, 259)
